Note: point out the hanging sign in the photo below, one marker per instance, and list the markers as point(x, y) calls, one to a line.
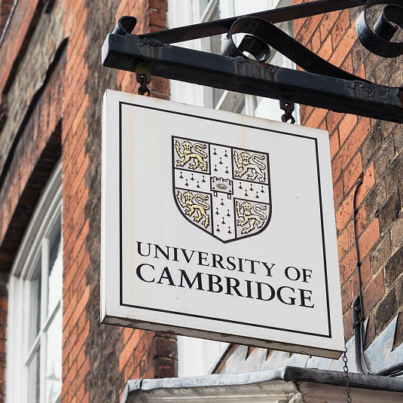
point(218, 225)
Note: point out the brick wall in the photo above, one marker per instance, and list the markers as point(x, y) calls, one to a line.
point(51, 90)
point(30, 126)
point(374, 149)
point(5, 8)
point(98, 360)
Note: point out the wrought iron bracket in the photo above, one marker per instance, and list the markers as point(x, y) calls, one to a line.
point(274, 16)
point(321, 84)
point(243, 75)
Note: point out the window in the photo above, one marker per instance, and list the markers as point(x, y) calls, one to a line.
point(34, 351)
point(196, 356)
point(198, 11)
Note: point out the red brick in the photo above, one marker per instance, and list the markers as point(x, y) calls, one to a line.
point(361, 224)
point(361, 72)
point(316, 118)
point(350, 147)
point(374, 292)
point(346, 296)
point(316, 42)
point(342, 244)
point(348, 324)
point(83, 371)
point(16, 35)
point(346, 126)
point(86, 398)
point(128, 350)
point(341, 27)
point(68, 309)
point(369, 238)
point(327, 23)
point(71, 338)
point(352, 173)
point(345, 211)
point(68, 377)
point(348, 265)
point(368, 183)
point(326, 49)
point(157, 18)
point(361, 219)
point(307, 30)
point(338, 194)
point(365, 276)
point(334, 144)
point(82, 338)
point(81, 302)
point(127, 333)
point(344, 47)
point(333, 119)
point(348, 64)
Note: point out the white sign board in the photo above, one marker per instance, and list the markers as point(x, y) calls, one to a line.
point(218, 225)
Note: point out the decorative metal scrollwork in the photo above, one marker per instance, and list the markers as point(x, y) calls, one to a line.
point(250, 43)
point(323, 84)
point(262, 34)
point(125, 25)
point(378, 39)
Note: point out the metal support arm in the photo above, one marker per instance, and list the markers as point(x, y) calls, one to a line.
point(246, 76)
point(274, 16)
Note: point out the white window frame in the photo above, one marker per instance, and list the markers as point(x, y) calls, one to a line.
point(188, 13)
point(35, 243)
point(198, 356)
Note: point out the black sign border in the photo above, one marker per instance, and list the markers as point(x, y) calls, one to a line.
point(329, 335)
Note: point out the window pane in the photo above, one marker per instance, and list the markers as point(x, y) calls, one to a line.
point(215, 47)
point(34, 379)
point(54, 359)
point(203, 5)
point(269, 109)
point(55, 279)
point(35, 303)
point(247, 7)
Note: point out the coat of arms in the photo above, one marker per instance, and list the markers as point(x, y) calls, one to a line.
point(221, 189)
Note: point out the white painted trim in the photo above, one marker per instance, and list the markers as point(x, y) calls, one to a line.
point(282, 385)
point(206, 16)
point(48, 206)
point(46, 214)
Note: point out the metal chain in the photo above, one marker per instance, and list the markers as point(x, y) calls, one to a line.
point(345, 369)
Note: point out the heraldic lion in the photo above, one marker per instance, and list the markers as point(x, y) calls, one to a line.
point(248, 219)
point(192, 203)
point(191, 152)
point(245, 162)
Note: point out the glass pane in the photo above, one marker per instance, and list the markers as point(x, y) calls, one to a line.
point(215, 47)
point(232, 102)
point(55, 279)
point(203, 6)
point(269, 109)
point(53, 386)
point(247, 7)
point(35, 303)
point(215, 41)
point(34, 378)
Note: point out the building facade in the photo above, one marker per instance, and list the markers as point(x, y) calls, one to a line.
point(53, 346)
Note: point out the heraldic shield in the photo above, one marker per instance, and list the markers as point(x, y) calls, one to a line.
point(222, 190)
